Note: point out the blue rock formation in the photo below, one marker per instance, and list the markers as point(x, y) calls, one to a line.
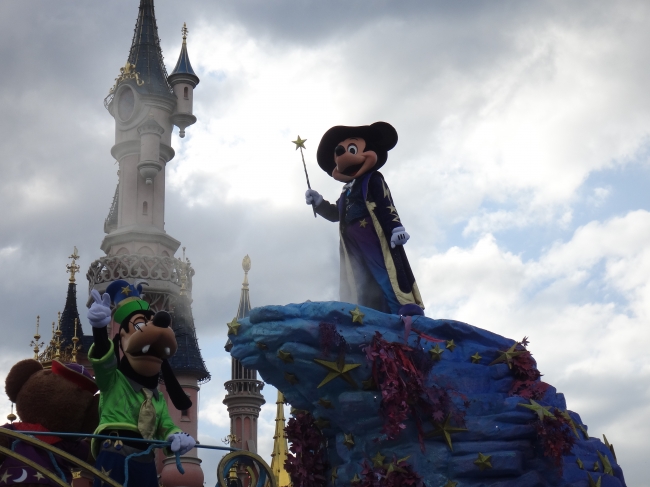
point(497, 426)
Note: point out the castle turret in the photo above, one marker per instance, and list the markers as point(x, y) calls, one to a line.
point(183, 81)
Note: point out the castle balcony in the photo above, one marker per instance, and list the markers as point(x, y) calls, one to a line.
point(244, 387)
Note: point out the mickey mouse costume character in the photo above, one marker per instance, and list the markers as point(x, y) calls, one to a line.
point(130, 403)
point(374, 269)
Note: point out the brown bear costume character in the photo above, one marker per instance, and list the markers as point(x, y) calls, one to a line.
point(61, 399)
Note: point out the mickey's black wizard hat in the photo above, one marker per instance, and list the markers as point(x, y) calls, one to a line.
point(380, 137)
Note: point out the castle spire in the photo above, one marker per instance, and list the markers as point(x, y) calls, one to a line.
point(183, 67)
point(280, 446)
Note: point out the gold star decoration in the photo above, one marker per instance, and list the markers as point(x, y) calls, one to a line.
point(322, 423)
point(233, 327)
point(483, 461)
point(610, 446)
point(567, 416)
point(337, 369)
point(394, 467)
point(355, 480)
point(369, 384)
point(5, 476)
point(592, 483)
point(584, 431)
point(357, 316)
point(325, 403)
point(378, 460)
point(537, 408)
point(581, 465)
point(290, 378)
point(363, 223)
point(348, 440)
point(335, 474)
point(508, 355)
point(286, 357)
point(445, 430)
point(476, 358)
point(450, 345)
point(107, 473)
point(450, 484)
point(300, 143)
point(392, 209)
point(596, 466)
point(126, 290)
point(39, 476)
point(607, 466)
point(436, 352)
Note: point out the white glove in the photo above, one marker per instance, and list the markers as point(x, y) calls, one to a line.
point(99, 314)
point(181, 443)
point(313, 197)
point(399, 237)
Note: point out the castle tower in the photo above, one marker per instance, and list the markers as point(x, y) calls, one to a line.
point(244, 398)
point(146, 105)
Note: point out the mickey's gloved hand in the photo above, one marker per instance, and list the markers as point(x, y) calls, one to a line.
point(313, 197)
point(99, 314)
point(181, 443)
point(399, 237)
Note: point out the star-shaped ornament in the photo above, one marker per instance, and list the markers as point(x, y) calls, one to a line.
point(300, 143)
point(107, 473)
point(392, 209)
point(450, 345)
point(39, 476)
point(596, 466)
point(436, 352)
point(508, 355)
point(290, 378)
point(483, 461)
point(233, 327)
point(335, 474)
point(581, 465)
point(348, 440)
point(369, 384)
point(392, 467)
point(378, 460)
point(476, 358)
point(5, 476)
point(584, 431)
point(607, 466)
point(337, 369)
point(610, 446)
point(325, 403)
point(126, 290)
point(286, 357)
point(592, 483)
point(537, 408)
point(445, 430)
point(355, 480)
point(572, 425)
point(357, 316)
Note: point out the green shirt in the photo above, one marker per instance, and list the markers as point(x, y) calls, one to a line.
point(120, 400)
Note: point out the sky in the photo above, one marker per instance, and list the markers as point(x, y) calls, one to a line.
point(520, 172)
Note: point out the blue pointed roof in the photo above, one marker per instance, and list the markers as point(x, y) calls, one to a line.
point(146, 53)
point(183, 71)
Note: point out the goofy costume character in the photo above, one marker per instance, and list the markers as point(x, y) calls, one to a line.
point(130, 403)
point(374, 269)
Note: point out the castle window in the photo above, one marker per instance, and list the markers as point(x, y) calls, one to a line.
point(145, 208)
point(186, 93)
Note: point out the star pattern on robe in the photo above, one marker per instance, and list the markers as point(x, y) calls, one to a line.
point(300, 143)
point(5, 476)
point(508, 355)
point(581, 465)
point(436, 352)
point(325, 403)
point(378, 460)
point(233, 327)
point(393, 467)
point(355, 480)
point(107, 473)
point(337, 369)
point(572, 425)
point(322, 423)
point(290, 378)
point(592, 483)
point(483, 461)
point(39, 476)
point(286, 357)
point(450, 345)
point(348, 440)
point(357, 315)
point(363, 223)
point(476, 358)
point(445, 430)
point(607, 466)
point(538, 409)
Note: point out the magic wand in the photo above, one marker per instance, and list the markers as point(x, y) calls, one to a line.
point(300, 144)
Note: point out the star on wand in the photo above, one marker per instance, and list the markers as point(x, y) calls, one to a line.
point(300, 144)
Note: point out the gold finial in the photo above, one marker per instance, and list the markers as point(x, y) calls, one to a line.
point(57, 339)
point(184, 32)
point(35, 342)
point(246, 265)
point(75, 339)
point(184, 263)
point(73, 267)
point(11, 416)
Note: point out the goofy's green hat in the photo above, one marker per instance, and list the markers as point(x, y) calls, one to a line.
point(127, 300)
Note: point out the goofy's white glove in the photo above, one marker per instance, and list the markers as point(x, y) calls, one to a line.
point(99, 314)
point(313, 197)
point(181, 443)
point(399, 237)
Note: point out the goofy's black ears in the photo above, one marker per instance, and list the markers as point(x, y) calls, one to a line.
point(174, 389)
